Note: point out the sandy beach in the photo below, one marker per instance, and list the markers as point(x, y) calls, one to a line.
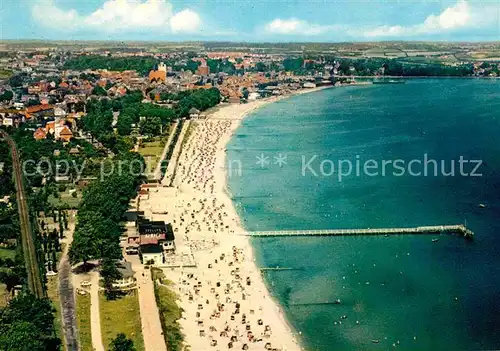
point(226, 303)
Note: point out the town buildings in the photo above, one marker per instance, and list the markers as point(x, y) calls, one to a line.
point(159, 73)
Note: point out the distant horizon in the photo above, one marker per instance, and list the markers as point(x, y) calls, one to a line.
point(254, 42)
point(269, 21)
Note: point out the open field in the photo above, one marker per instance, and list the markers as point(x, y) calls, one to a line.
point(7, 253)
point(66, 199)
point(152, 150)
point(3, 295)
point(121, 316)
point(4, 74)
point(83, 320)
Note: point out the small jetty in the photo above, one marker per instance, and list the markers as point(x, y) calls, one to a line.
point(459, 229)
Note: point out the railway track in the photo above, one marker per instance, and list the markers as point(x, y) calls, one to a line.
point(28, 244)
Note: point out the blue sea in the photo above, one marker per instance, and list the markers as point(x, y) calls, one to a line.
point(402, 292)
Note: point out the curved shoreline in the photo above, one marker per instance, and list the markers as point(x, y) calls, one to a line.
point(220, 288)
point(243, 114)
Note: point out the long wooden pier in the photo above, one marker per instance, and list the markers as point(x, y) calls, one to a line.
point(438, 229)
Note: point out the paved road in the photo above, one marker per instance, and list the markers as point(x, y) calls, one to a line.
point(150, 317)
point(172, 165)
point(67, 295)
point(157, 172)
point(28, 245)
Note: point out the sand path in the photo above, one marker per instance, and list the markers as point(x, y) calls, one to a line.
point(95, 315)
point(150, 318)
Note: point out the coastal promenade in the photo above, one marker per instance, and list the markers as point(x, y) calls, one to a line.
point(438, 229)
point(174, 160)
point(168, 145)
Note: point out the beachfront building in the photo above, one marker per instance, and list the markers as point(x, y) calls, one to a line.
point(127, 279)
point(155, 232)
point(154, 239)
point(131, 217)
point(169, 242)
point(151, 255)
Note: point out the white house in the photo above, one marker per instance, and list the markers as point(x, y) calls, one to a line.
point(59, 112)
point(151, 254)
point(253, 96)
point(127, 280)
point(8, 121)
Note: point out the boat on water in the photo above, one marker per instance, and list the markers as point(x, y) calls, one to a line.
point(391, 81)
point(482, 205)
point(375, 341)
point(435, 240)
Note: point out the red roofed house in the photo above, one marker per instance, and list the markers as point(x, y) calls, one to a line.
point(156, 233)
point(59, 129)
point(39, 110)
point(65, 134)
point(50, 127)
point(40, 134)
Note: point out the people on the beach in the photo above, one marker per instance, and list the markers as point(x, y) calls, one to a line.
point(223, 298)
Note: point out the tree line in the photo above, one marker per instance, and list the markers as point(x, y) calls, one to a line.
point(27, 322)
point(98, 230)
point(150, 119)
point(372, 66)
point(7, 95)
point(93, 62)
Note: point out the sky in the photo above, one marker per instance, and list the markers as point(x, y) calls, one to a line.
point(251, 20)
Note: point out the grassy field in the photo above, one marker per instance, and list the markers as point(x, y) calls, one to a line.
point(53, 295)
point(4, 74)
point(170, 313)
point(83, 321)
point(3, 295)
point(151, 151)
point(121, 316)
point(7, 253)
point(4, 254)
point(65, 200)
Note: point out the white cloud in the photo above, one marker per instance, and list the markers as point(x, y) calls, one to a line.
point(295, 26)
point(456, 16)
point(49, 15)
point(118, 15)
point(459, 16)
point(185, 21)
point(462, 15)
point(124, 14)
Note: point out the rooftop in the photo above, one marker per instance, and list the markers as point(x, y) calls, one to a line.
point(150, 249)
point(125, 269)
point(147, 227)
